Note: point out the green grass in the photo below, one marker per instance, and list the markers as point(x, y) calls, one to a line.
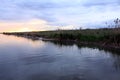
point(88, 35)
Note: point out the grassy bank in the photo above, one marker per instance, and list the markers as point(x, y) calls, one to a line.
point(110, 37)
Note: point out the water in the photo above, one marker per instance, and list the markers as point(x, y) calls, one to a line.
point(25, 59)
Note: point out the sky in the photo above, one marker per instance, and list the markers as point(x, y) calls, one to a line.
point(40, 15)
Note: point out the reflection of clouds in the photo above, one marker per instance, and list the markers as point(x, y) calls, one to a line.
point(14, 40)
point(36, 43)
point(94, 53)
point(39, 59)
point(116, 63)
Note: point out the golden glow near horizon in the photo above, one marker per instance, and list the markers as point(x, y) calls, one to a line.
point(30, 25)
point(19, 41)
point(23, 26)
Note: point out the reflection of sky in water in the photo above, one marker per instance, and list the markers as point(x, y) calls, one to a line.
point(14, 40)
point(23, 59)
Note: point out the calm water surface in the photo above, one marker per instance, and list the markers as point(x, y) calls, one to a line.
point(24, 59)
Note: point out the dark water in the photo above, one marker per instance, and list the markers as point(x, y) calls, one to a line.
point(24, 59)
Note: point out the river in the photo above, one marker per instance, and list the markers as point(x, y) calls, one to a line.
point(26, 59)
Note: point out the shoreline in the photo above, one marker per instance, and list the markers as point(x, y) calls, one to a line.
point(106, 38)
point(85, 43)
point(99, 44)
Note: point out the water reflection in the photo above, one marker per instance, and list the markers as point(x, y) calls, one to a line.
point(25, 59)
point(71, 43)
point(15, 40)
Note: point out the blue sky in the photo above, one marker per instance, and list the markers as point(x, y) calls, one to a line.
point(53, 14)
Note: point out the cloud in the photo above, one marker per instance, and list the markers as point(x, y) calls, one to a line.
point(31, 25)
point(89, 3)
point(60, 12)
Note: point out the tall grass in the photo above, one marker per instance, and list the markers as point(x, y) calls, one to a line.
point(91, 35)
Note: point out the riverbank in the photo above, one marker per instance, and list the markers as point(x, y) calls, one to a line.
point(103, 37)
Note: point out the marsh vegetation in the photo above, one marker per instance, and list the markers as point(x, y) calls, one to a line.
point(109, 36)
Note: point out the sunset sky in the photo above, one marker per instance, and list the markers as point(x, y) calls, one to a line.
point(35, 15)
